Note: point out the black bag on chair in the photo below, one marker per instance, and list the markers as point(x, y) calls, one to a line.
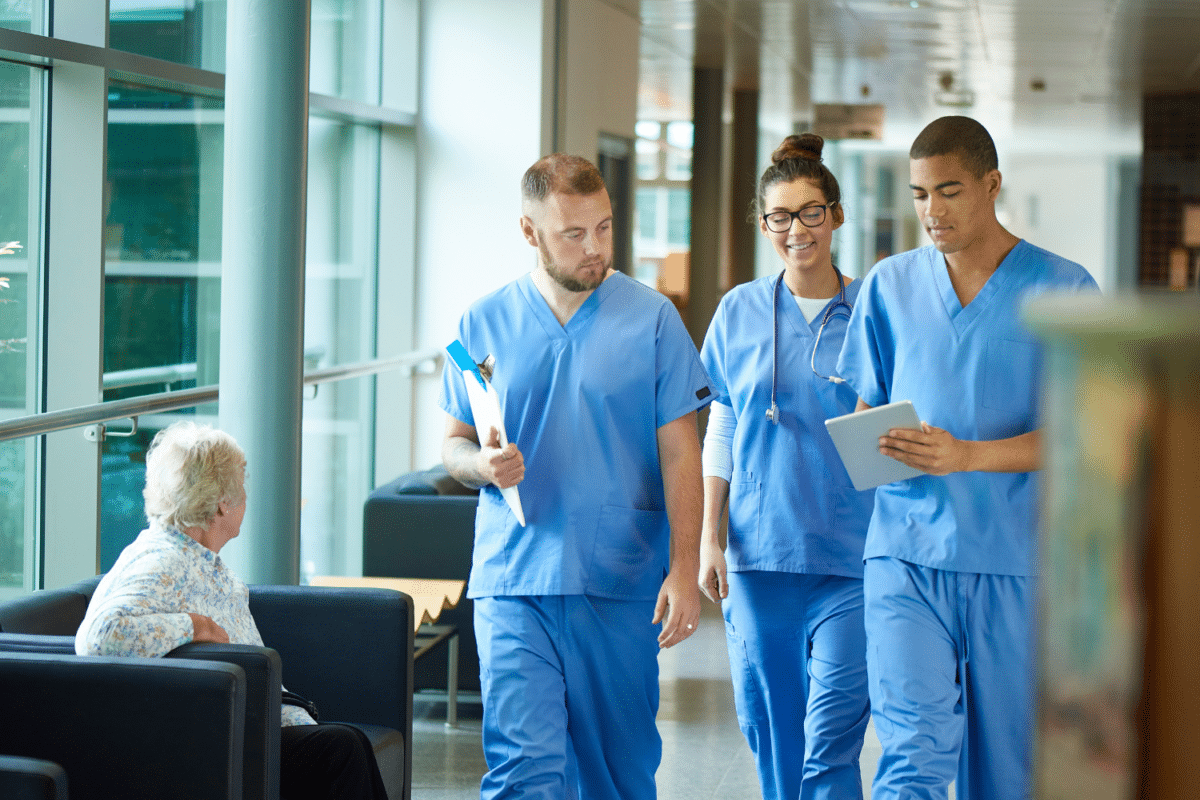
point(293, 699)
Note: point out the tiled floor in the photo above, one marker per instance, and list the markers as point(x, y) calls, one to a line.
point(704, 753)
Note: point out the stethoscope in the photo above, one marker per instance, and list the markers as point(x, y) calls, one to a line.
point(830, 313)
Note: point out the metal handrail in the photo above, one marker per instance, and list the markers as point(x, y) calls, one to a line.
point(133, 407)
point(174, 373)
point(129, 408)
point(330, 374)
point(143, 376)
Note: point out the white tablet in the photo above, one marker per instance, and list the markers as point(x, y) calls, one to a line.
point(856, 437)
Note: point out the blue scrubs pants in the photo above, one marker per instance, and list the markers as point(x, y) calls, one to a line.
point(950, 655)
point(797, 654)
point(570, 691)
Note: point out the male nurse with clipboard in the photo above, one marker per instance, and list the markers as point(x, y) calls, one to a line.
point(600, 383)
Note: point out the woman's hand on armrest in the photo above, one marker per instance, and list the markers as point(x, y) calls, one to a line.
point(205, 630)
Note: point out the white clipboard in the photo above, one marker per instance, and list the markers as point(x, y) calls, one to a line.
point(485, 407)
point(856, 437)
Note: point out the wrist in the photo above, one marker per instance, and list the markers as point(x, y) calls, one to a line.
point(685, 567)
point(480, 465)
point(971, 456)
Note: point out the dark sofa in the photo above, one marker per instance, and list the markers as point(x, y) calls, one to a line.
point(422, 525)
point(31, 779)
point(113, 724)
point(349, 650)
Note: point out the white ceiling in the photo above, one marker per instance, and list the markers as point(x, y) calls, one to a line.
point(1094, 60)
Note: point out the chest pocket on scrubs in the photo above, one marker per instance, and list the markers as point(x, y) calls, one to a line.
point(1010, 375)
point(745, 515)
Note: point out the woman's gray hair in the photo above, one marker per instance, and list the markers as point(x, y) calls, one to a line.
point(191, 468)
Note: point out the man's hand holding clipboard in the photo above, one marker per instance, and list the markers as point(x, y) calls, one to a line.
point(489, 416)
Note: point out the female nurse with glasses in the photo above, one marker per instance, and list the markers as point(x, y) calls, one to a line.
point(789, 579)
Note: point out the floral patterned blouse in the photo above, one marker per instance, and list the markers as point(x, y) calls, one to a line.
point(141, 606)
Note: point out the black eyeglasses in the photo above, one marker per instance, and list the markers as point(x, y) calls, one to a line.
point(810, 217)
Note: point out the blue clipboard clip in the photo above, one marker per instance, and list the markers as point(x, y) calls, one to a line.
point(485, 407)
point(462, 358)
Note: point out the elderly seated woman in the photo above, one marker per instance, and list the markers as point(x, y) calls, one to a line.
point(170, 587)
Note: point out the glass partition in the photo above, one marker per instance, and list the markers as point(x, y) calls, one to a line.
point(339, 325)
point(344, 50)
point(662, 235)
point(22, 15)
point(345, 41)
point(160, 242)
point(190, 32)
point(162, 274)
point(21, 161)
point(337, 441)
point(162, 238)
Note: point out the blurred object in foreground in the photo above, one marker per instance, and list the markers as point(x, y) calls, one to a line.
point(1120, 539)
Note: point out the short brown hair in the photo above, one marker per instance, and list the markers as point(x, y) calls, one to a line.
point(960, 136)
point(562, 173)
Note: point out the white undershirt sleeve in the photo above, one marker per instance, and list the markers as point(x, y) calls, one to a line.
point(717, 456)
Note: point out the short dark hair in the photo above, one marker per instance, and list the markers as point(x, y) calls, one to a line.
point(798, 157)
point(561, 173)
point(960, 136)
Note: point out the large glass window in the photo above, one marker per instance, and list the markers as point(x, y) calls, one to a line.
point(162, 251)
point(663, 219)
point(344, 49)
point(679, 151)
point(188, 32)
point(21, 15)
point(21, 157)
point(161, 245)
point(162, 240)
point(339, 325)
point(649, 165)
point(344, 45)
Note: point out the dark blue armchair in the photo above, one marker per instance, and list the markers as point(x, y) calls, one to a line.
point(348, 650)
point(422, 525)
point(31, 779)
point(134, 728)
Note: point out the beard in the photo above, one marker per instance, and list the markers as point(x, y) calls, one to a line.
point(568, 281)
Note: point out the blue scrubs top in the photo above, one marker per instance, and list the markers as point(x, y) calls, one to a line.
point(583, 403)
point(973, 371)
point(792, 507)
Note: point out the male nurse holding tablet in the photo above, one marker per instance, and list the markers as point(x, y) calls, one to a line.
point(950, 559)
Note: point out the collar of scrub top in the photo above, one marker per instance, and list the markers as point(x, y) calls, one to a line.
point(839, 307)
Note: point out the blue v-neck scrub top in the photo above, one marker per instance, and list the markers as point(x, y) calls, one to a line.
point(583, 403)
point(972, 371)
point(792, 507)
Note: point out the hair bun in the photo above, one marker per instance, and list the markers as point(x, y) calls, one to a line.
point(804, 146)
